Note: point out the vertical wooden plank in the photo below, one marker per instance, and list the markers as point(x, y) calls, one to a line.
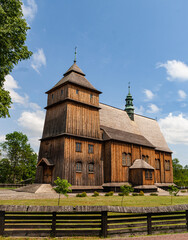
point(2, 222)
point(53, 231)
point(149, 224)
point(187, 219)
point(104, 225)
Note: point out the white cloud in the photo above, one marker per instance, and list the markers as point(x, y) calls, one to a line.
point(29, 10)
point(149, 94)
point(32, 122)
point(182, 94)
point(139, 110)
point(2, 138)
point(176, 70)
point(11, 84)
point(38, 60)
point(175, 129)
point(153, 108)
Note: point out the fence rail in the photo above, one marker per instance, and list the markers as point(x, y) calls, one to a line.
point(90, 223)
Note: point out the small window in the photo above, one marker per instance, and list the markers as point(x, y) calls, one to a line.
point(91, 167)
point(90, 148)
point(52, 96)
point(77, 91)
point(78, 147)
point(147, 158)
point(167, 165)
point(78, 167)
point(61, 91)
point(124, 158)
point(148, 174)
point(91, 96)
point(128, 160)
point(143, 157)
point(157, 164)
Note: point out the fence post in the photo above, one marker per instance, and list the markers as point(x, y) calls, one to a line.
point(53, 231)
point(2, 222)
point(104, 224)
point(149, 224)
point(186, 218)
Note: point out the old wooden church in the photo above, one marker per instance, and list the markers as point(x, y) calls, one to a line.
point(93, 144)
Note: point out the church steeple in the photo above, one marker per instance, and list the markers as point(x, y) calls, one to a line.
point(129, 108)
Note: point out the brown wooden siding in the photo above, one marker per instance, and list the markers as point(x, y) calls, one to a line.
point(82, 120)
point(83, 95)
point(56, 95)
point(72, 157)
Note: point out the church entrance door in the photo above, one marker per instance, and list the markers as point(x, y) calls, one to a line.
point(47, 174)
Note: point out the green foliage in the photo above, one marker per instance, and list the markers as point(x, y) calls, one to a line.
point(135, 194)
point(95, 194)
point(5, 102)
point(62, 187)
point(180, 173)
point(173, 191)
point(19, 161)
point(153, 194)
point(111, 193)
point(13, 32)
point(141, 193)
point(84, 194)
point(125, 190)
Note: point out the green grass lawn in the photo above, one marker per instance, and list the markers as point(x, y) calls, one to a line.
point(134, 201)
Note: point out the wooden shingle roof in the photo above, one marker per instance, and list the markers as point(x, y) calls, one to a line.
point(114, 134)
point(75, 76)
point(141, 164)
point(143, 129)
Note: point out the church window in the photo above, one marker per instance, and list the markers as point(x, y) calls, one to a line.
point(77, 91)
point(148, 174)
point(157, 164)
point(52, 96)
point(124, 158)
point(90, 148)
point(128, 159)
point(167, 165)
point(78, 167)
point(78, 147)
point(146, 158)
point(61, 91)
point(143, 157)
point(91, 96)
point(91, 167)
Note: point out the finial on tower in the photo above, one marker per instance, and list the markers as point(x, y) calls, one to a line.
point(75, 54)
point(129, 87)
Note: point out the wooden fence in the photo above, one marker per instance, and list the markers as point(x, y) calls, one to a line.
point(90, 223)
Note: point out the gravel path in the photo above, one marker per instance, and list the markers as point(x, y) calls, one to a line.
point(177, 236)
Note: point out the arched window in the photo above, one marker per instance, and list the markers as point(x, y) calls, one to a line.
point(91, 167)
point(128, 160)
point(124, 159)
point(78, 167)
point(147, 158)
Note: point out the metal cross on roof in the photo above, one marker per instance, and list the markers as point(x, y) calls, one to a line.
point(75, 54)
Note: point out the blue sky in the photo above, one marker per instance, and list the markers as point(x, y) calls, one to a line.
point(144, 42)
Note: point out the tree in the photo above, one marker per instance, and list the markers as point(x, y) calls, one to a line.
point(20, 159)
point(125, 189)
point(173, 191)
point(180, 173)
point(63, 187)
point(13, 32)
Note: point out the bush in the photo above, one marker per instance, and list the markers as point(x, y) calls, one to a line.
point(141, 193)
point(135, 194)
point(111, 193)
point(183, 191)
point(120, 194)
point(84, 194)
point(95, 194)
point(153, 194)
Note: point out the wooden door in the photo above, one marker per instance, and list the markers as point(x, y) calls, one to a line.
point(47, 174)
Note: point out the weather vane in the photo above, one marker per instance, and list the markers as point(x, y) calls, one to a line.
point(75, 54)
